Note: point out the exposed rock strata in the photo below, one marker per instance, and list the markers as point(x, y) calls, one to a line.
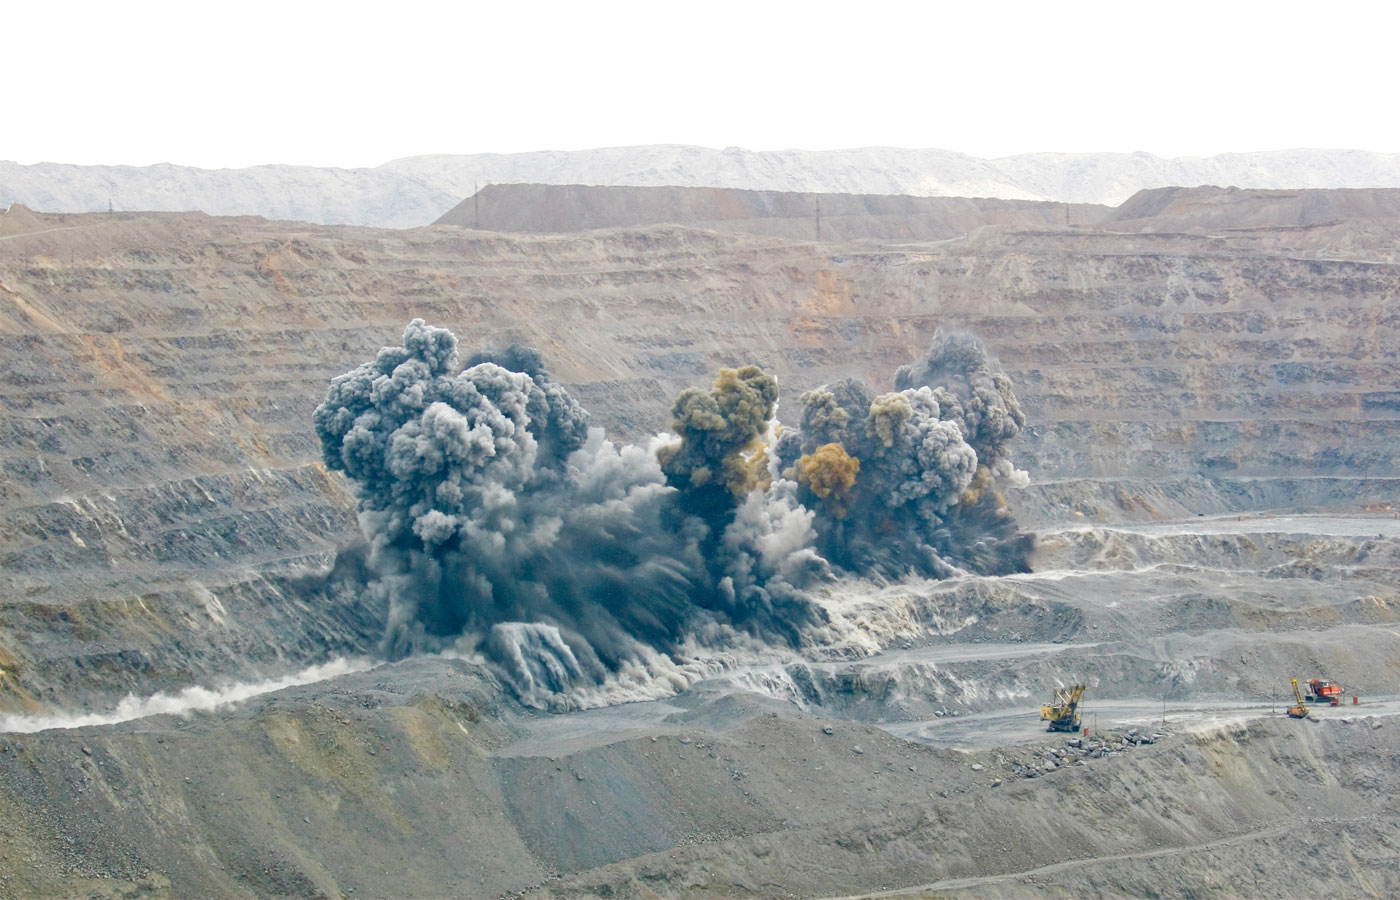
point(161, 371)
point(163, 521)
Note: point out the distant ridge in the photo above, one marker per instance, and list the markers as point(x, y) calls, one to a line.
point(418, 190)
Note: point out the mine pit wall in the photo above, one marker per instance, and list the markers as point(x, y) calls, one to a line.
point(156, 451)
point(419, 795)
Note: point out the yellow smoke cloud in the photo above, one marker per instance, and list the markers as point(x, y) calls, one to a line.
point(830, 473)
point(981, 482)
point(722, 433)
point(888, 412)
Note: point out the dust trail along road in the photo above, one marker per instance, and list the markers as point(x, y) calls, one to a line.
point(189, 700)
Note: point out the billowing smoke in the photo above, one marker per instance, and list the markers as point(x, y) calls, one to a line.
point(715, 464)
point(974, 393)
point(501, 524)
point(930, 465)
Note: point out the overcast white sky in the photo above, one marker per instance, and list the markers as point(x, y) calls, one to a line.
point(350, 84)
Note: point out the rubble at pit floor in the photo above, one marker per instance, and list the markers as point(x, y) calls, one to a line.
point(1081, 750)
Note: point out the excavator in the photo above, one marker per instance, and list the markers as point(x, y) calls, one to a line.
point(1320, 691)
point(1063, 713)
point(1300, 711)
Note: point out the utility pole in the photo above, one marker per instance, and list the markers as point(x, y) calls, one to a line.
point(476, 207)
point(819, 218)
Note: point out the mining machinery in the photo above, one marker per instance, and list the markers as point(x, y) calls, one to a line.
point(1300, 711)
point(1320, 691)
point(1063, 713)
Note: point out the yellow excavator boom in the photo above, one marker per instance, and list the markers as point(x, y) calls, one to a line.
point(1063, 714)
point(1301, 710)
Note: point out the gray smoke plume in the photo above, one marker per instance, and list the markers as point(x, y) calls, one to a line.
point(921, 469)
point(499, 523)
point(976, 394)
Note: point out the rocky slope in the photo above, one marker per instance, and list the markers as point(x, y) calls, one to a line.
point(417, 190)
point(417, 780)
point(161, 485)
point(164, 521)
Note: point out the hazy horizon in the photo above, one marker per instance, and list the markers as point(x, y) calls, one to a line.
point(549, 150)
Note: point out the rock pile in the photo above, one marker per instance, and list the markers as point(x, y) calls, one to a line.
point(1078, 751)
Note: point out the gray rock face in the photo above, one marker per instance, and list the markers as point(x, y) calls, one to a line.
point(164, 521)
point(417, 190)
point(161, 501)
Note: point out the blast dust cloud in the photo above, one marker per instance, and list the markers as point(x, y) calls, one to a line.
point(500, 523)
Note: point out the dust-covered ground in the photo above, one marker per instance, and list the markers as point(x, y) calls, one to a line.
point(909, 763)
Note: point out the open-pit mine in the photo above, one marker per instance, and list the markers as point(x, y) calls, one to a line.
point(693, 543)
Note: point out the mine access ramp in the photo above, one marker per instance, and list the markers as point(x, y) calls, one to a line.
point(1063, 713)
